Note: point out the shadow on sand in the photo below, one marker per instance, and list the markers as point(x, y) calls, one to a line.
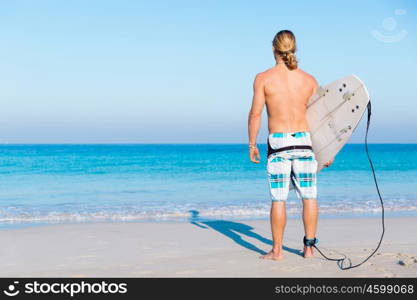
point(235, 231)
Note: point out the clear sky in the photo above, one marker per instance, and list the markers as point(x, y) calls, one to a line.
point(182, 71)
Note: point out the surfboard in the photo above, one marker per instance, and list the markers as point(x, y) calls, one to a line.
point(333, 113)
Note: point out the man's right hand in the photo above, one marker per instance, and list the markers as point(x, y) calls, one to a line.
point(254, 155)
point(327, 164)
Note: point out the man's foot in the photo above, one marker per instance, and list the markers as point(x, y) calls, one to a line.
point(308, 252)
point(273, 255)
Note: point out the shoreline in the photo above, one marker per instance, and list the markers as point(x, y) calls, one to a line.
point(205, 248)
point(6, 225)
point(376, 216)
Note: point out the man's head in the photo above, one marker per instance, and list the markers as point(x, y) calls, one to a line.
point(284, 47)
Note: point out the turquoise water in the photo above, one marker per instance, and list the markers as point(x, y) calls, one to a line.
point(71, 183)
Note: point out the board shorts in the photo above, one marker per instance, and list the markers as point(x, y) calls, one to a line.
point(291, 166)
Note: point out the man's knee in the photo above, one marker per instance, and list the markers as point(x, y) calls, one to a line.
point(309, 199)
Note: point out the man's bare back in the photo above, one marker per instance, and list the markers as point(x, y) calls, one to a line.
point(285, 93)
point(286, 96)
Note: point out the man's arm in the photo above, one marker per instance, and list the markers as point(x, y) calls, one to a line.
point(255, 116)
point(315, 85)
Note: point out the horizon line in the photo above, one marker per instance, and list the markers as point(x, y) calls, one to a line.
point(186, 143)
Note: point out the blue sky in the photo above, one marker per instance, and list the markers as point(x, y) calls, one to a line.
point(182, 71)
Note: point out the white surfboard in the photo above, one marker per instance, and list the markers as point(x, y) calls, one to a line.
point(333, 113)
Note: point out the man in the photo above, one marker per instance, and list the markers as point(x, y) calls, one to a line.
point(285, 90)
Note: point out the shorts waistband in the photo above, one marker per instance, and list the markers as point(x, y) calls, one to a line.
point(282, 141)
point(297, 147)
point(296, 134)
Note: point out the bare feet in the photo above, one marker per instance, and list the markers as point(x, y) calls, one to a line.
point(308, 252)
point(273, 255)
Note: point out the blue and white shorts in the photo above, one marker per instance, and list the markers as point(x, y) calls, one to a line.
point(296, 166)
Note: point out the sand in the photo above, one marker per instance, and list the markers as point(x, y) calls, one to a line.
point(205, 249)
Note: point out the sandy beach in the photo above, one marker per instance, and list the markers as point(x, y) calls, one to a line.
point(204, 249)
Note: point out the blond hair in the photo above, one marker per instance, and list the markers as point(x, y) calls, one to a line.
point(285, 46)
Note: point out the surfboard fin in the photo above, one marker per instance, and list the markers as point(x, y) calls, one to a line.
point(347, 96)
point(321, 91)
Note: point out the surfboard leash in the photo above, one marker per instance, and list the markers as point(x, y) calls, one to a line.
point(341, 261)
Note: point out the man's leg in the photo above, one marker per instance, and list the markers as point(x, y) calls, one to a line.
point(279, 170)
point(278, 220)
point(305, 181)
point(310, 218)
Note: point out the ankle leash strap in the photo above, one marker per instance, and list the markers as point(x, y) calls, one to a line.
point(310, 242)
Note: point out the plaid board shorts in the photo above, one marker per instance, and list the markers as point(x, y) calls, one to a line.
point(297, 166)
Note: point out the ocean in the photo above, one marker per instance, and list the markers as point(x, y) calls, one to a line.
point(43, 184)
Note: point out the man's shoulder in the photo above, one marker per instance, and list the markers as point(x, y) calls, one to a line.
point(261, 77)
point(308, 77)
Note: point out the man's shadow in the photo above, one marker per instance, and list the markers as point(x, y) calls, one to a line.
point(235, 231)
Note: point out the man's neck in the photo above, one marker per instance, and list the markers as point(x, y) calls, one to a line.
point(279, 63)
